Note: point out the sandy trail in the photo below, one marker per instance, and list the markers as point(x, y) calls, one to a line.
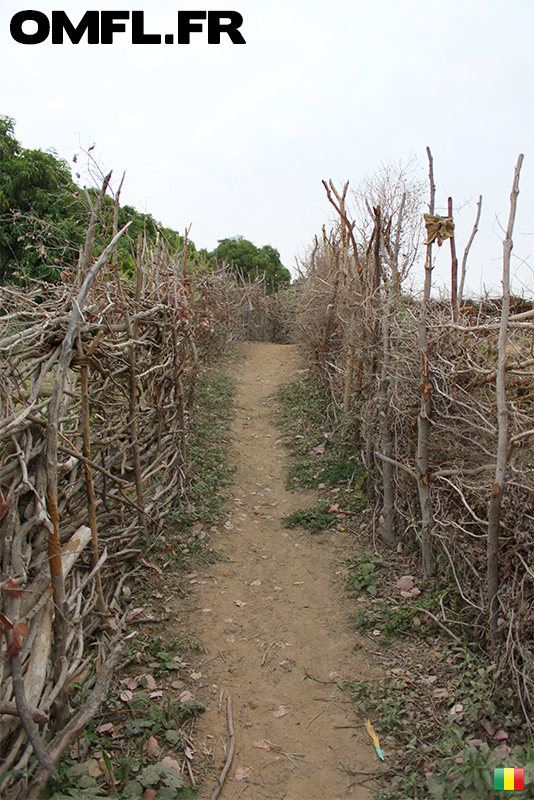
point(275, 607)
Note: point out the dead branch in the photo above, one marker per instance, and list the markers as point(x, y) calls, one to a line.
point(231, 749)
point(502, 416)
point(28, 724)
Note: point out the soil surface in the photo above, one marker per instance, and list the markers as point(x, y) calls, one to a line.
point(275, 606)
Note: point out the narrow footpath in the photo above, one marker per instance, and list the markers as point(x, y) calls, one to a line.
point(272, 612)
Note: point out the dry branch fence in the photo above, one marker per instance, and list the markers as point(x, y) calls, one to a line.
point(96, 403)
point(416, 376)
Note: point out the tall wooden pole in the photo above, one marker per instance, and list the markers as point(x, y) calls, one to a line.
point(497, 492)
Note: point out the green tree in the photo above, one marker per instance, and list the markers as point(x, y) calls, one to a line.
point(42, 217)
point(250, 261)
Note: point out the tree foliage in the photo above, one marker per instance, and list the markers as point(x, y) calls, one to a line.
point(249, 261)
point(44, 216)
point(41, 216)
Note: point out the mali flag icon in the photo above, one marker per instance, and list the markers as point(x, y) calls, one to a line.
point(508, 779)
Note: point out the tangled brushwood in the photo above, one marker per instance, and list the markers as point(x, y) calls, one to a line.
point(97, 402)
point(441, 395)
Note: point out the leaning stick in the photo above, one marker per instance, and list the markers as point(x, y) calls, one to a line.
point(32, 731)
point(441, 625)
point(231, 749)
point(52, 431)
point(91, 502)
point(79, 722)
point(11, 710)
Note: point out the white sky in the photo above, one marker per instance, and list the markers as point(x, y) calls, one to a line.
point(235, 139)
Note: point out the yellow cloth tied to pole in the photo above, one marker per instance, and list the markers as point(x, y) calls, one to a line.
point(439, 228)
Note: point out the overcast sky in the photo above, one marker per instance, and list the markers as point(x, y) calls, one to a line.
point(235, 139)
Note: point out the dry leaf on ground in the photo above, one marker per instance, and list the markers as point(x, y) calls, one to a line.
point(242, 773)
point(170, 763)
point(107, 727)
point(150, 683)
point(151, 564)
point(261, 745)
point(152, 748)
point(281, 711)
point(93, 768)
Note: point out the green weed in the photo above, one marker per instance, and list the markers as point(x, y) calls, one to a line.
point(125, 754)
point(319, 454)
point(437, 731)
point(363, 572)
point(207, 470)
point(315, 518)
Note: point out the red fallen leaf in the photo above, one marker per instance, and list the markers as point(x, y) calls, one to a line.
point(503, 751)
point(153, 749)
point(12, 589)
point(107, 727)
point(149, 794)
point(405, 583)
point(15, 645)
point(334, 508)
point(500, 736)
point(5, 623)
point(15, 641)
point(22, 629)
point(488, 727)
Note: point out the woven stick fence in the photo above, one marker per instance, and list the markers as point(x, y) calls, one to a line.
point(97, 390)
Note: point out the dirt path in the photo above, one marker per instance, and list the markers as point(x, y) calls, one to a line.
point(275, 607)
